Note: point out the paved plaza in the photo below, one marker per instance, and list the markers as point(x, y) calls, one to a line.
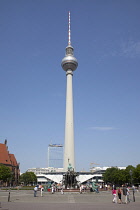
point(25, 200)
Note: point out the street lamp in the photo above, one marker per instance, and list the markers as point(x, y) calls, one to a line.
point(133, 188)
point(130, 172)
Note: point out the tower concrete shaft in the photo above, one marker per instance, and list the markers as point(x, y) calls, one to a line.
point(69, 64)
point(69, 125)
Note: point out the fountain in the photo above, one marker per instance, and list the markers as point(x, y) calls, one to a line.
point(69, 178)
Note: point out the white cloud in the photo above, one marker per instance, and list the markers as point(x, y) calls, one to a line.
point(102, 128)
point(130, 49)
point(127, 48)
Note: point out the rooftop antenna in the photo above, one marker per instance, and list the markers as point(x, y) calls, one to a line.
point(69, 32)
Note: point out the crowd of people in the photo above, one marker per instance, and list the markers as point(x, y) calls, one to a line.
point(36, 188)
point(122, 194)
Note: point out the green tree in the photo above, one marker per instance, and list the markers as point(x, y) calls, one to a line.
point(129, 174)
point(5, 173)
point(115, 176)
point(111, 175)
point(28, 178)
point(122, 177)
point(136, 174)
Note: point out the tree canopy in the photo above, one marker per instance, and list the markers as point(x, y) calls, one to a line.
point(136, 174)
point(5, 173)
point(28, 178)
point(118, 176)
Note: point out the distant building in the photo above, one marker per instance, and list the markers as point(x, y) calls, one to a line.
point(47, 175)
point(103, 169)
point(38, 171)
point(50, 174)
point(10, 161)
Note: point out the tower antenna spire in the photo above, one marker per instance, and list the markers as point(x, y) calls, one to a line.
point(69, 31)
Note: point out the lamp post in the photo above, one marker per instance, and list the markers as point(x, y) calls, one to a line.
point(133, 188)
point(130, 172)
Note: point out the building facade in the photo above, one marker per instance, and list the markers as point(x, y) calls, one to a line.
point(47, 175)
point(10, 161)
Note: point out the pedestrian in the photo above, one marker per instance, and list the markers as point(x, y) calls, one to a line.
point(125, 194)
point(119, 195)
point(41, 190)
point(133, 188)
point(52, 189)
point(114, 193)
point(35, 191)
point(81, 188)
point(62, 192)
point(128, 195)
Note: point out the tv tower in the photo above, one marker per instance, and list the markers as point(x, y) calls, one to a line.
point(69, 64)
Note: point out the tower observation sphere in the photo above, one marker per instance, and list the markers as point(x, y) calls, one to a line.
point(69, 64)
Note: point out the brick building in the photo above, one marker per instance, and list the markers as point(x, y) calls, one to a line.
point(9, 160)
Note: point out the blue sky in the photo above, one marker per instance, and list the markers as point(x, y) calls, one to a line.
point(106, 85)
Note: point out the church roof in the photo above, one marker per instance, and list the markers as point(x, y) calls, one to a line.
point(13, 160)
point(4, 155)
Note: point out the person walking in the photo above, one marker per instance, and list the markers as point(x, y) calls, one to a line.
point(41, 190)
point(125, 193)
point(106, 188)
point(114, 193)
point(128, 195)
point(81, 189)
point(52, 189)
point(35, 191)
point(119, 195)
point(133, 189)
point(62, 192)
